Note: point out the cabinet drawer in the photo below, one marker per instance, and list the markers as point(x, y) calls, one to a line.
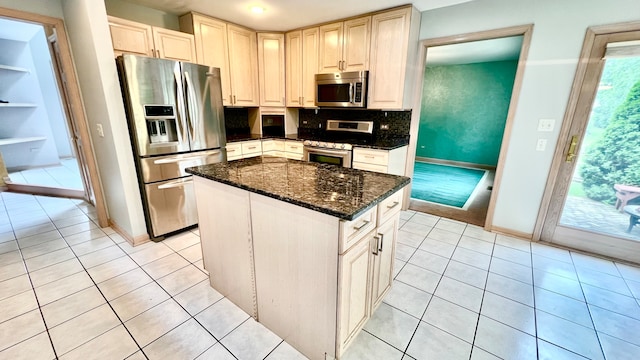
point(370, 167)
point(354, 230)
point(293, 147)
point(251, 147)
point(234, 151)
point(272, 145)
point(389, 207)
point(371, 156)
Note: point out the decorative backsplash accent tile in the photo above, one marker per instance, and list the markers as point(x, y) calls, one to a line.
point(399, 122)
point(236, 121)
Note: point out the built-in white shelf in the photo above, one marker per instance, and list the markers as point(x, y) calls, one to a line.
point(13, 68)
point(17, 105)
point(12, 141)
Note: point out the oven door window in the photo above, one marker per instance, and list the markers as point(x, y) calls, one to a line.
point(333, 92)
point(326, 159)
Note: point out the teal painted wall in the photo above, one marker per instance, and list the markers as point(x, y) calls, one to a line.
point(464, 110)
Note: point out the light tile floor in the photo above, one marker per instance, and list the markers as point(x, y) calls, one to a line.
point(70, 290)
point(65, 175)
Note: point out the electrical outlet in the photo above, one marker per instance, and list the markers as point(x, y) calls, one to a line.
point(541, 145)
point(384, 127)
point(100, 130)
point(546, 124)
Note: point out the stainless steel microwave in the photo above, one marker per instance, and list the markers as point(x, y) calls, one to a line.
point(346, 89)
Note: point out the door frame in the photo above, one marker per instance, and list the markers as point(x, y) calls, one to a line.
point(585, 83)
point(526, 32)
point(74, 98)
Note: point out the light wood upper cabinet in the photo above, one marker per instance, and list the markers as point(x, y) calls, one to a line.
point(344, 46)
point(301, 67)
point(131, 37)
point(174, 45)
point(243, 65)
point(293, 62)
point(141, 39)
point(330, 48)
point(271, 70)
point(393, 49)
point(211, 47)
point(231, 48)
point(357, 40)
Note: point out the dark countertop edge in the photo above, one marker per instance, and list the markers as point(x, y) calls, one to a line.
point(394, 144)
point(338, 214)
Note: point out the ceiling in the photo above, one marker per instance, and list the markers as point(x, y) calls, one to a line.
point(507, 48)
point(282, 15)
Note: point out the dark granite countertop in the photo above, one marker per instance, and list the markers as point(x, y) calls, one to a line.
point(337, 191)
point(383, 143)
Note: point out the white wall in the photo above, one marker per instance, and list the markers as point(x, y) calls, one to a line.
point(559, 30)
point(88, 31)
point(143, 14)
point(51, 8)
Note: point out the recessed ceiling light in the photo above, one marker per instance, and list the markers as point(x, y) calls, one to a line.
point(258, 9)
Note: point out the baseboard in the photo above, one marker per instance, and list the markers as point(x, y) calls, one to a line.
point(132, 240)
point(509, 232)
point(456, 163)
point(45, 190)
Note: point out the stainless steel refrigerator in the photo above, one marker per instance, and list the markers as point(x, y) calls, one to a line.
point(176, 120)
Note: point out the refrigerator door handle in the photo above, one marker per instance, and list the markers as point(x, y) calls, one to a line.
point(179, 159)
point(177, 84)
point(175, 184)
point(191, 107)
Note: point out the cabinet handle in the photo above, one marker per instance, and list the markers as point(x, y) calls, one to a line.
point(370, 157)
point(381, 242)
point(158, 51)
point(364, 223)
point(153, 53)
point(395, 203)
point(251, 147)
point(375, 247)
point(234, 99)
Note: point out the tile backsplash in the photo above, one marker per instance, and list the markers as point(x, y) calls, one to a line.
point(236, 121)
point(313, 121)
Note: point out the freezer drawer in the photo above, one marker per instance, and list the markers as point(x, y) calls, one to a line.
point(172, 166)
point(171, 205)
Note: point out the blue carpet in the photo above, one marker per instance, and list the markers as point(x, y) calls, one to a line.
point(442, 184)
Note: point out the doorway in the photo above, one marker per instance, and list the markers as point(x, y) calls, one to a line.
point(32, 143)
point(466, 101)
point(593, 193)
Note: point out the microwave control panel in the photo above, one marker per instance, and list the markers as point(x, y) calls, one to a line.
point(358, 95)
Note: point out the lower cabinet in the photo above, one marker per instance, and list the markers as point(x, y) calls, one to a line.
point(243, 149)
point(365, 276)
point(384, 161)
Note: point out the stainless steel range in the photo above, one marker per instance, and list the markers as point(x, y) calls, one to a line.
point(336, 147)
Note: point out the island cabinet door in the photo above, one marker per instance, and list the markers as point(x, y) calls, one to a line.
point(354, 290)
point(383, 260)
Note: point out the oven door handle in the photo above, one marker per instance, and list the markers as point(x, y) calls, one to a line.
point(327, 152)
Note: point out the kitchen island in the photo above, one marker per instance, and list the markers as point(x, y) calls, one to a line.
point(307, 249)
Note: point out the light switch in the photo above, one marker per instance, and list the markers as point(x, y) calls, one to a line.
point(546, 124)
point(541, 145)
point(100, 130)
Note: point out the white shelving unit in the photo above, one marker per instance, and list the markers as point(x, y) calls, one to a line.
point(13, 141)
point(13, 68)
point(17, 105)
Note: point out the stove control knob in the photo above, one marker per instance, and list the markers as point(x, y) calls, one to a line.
point(335, 146)
point(344, 146)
